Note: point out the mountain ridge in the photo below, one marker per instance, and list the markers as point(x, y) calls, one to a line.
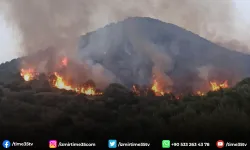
point(156, 20)
point(188, 51)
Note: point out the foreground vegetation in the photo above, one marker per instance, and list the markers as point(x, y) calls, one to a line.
point(35, 109)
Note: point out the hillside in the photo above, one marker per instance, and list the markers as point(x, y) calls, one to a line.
point(131, 48)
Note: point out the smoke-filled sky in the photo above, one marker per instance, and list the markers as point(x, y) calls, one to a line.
point(27, 25)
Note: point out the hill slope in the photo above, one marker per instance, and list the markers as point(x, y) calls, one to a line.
point(131, 48)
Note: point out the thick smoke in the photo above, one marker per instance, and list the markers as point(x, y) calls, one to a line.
point(59, 23)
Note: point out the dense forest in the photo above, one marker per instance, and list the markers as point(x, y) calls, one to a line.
point(35, 109)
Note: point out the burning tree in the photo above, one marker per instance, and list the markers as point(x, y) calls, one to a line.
point(28, 74)
point(87, 88)
point(157, 89)
point(60, 80)
point(216, 86)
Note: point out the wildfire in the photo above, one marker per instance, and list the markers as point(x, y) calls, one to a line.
point(200, 93)
point(156, 88)
point(27, 74)
point(61, 84)
point(215, 86)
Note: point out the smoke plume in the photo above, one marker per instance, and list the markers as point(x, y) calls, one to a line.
point(59, 23)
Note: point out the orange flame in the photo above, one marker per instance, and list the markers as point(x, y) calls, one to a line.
point(215, 86)
point(27, 74)
point(61, 84)
point(156, 88)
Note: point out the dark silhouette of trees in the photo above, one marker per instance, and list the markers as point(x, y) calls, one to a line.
point(1, 92)
point(121, 113)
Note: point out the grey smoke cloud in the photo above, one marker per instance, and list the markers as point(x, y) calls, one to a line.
point(59, 23)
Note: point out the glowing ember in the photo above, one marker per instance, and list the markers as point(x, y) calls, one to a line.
point(156, 88)
point(65, 61)
point(27, 74)
point(215, 86)
point(61, 84)
point(200, 93)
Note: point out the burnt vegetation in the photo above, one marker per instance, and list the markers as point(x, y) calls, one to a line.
point(28, 110)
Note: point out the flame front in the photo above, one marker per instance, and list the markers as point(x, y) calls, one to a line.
point(61, 84)
point(157, 86)
point(215, 86)
point(27, 74)
point(157, 90)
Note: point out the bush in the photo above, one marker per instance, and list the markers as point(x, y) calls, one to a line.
point(117, 91)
